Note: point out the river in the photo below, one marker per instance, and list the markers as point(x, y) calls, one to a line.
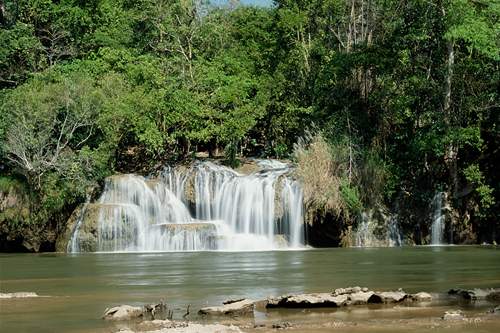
point(80, 286)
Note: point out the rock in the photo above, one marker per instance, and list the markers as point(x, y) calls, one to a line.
point(387, 297)
point(153, 310)
point(123, 312)
point(421, 297)
point(453, 315)
point(350, 290)
point(232, 307)
point(308, 301)
point(87, 232)
point(282, 326)
point(65, 237)
point(248, 167)
point(493, 296)
point(360, 298)
point(205, 230)
point(22, 294)
point(495, 310)
point(280, 241)
point(476, 294)
point(231, 301)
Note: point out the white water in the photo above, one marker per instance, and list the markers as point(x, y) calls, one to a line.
point(73, 244)
point(374, 233)
point(260, 211)
point(438, 220)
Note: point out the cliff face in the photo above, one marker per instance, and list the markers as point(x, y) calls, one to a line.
point(18, 233)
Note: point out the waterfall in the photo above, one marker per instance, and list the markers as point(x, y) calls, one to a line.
point(377, 231)
point(364, 235)
point(394, 233)
point(438, 220)
point(204, 207)
point(73, 244)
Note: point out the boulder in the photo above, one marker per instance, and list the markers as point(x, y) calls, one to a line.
point(282, 326)
point(421, 297)
point(231, 308)
point(349, 290)
point(453, 315)
point(123, 312)
point(318, 300)
point(360, 298)
point(476, 294)
point(387, 297)
point(22, 294)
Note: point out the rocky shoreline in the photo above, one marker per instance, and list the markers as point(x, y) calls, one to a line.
point(353, 309)
point(445, 310)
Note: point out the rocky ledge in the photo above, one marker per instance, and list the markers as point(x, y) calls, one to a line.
point(345, 297)
point(232, 307)
point(128, 312)
point(476, 294)
point(240, 312)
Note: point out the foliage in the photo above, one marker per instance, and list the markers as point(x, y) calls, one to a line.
point(403, 94)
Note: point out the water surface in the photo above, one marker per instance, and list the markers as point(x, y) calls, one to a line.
point(82, 286)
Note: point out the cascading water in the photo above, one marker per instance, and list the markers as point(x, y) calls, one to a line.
point(394, 233)
point(73, 244)
point(438, 220)
point(373, 232)
point(231, 211)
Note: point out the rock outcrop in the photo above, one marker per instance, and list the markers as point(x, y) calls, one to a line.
point(476, 294)
point(345, 297)
point(230, 308)
point(453, 315)
point(387, 297)
point(317, 300)
point(123, 312)
point(18, 233)
point(87, 232)
point(360, 297)
point(421, 297)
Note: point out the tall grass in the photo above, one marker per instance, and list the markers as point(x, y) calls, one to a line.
point(321, 172)
point(338, 178)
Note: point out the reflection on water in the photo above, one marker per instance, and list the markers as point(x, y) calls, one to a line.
point(82, 286)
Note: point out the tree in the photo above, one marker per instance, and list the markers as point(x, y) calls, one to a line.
point(49, 123)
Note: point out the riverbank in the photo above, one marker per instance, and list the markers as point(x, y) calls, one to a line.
point(372, 320)
point(445, 312)
point(352, 309)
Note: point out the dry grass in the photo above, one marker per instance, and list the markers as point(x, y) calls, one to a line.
point(321, 172)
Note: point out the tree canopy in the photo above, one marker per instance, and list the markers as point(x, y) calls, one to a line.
point(407, 90)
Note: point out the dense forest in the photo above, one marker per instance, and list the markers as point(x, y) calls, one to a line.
point(381, 103)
